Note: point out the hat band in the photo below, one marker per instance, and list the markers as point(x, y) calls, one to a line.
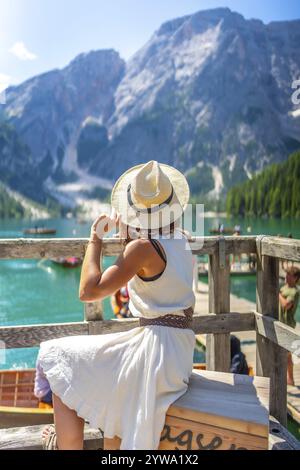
point(148, 210)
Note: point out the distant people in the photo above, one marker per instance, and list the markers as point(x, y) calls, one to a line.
point(221, 229)
point(120, 303)
point(288, 302)
point(238, 359)
point(249, 229)
point(42, 388)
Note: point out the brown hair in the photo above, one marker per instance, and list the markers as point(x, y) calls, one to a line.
point(294, 271)
point(149, 233)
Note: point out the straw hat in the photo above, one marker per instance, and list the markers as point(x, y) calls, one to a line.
point(151, 195)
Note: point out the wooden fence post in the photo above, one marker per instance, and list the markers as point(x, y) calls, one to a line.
point(218, 345)
point(271, 359)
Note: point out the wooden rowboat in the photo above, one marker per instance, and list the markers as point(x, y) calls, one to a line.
point(39, 231)
point(18, 405)
point(225, 231)
point(69, 262)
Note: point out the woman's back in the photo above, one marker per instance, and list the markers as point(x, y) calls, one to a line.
point(172, 291)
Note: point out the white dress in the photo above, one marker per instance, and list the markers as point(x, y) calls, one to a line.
point(124, 383)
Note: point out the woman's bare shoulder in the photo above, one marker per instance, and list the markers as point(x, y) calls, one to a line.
point(140, 245)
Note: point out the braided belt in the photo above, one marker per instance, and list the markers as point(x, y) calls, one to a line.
point(176, 321)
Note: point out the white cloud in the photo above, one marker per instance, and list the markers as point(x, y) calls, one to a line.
point(21, 52)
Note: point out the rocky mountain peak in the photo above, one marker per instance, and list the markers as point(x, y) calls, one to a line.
point(209, 92)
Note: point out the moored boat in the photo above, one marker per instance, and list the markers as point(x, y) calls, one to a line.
point(67, 262)
point(225, 231)
point(18, 404)
point(39, 231)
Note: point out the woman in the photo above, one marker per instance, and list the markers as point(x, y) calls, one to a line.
point(125, 382)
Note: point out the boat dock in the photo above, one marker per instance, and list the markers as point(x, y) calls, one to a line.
point(248, 343)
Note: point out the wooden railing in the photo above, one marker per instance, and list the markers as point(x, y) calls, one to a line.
point(273, 338)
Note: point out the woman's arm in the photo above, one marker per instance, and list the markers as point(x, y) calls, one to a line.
point(91, 269)
point(285, 303)
point(95, 285)
point(139, 257)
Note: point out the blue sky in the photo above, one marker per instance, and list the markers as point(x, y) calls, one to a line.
point(39, 35)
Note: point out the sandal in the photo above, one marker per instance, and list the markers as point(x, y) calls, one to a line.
point(50, 442)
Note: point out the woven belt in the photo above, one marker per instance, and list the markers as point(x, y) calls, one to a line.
point(176, 321)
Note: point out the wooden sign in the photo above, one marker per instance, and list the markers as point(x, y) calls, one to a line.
point(220, 411)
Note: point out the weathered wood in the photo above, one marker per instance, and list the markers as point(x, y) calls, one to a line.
point(279, 247)
point(93, 311)
point(36, 248)
point(279, 333)
point(233, 245)
point(31, 335)
point(271, 359)
point(218, 345)
point(280, 438)
point(219, 411)
point(185, 434)
point(52, 247)
point(29, 438)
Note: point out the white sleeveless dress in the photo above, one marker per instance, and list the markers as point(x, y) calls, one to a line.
point(124, 383)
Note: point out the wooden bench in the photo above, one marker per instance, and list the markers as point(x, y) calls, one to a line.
point(219, 411)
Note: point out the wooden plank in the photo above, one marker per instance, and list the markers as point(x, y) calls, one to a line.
point(29, 438)
point(271, 359)
point(183, 434)
point(222, 323)
point(280, 438)
point(279, 247)
point(93, 311)
point(31, 335)
point(218, 345)
point(231, 401)
point(277, 332)
point(35, 248)
point(52, 247)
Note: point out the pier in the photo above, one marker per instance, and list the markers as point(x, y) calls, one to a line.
point(222, 315)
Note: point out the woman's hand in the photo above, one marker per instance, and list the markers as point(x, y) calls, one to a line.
point(103, 225)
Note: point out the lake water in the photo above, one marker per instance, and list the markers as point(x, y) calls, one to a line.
point(38, 291)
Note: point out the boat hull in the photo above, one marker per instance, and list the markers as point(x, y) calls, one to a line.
point(11, 417)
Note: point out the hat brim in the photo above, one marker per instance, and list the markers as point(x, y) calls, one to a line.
point(159, 218)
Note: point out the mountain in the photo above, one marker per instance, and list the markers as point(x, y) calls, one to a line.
point(274, 192)
point(15, 205)
point(44, 118)
point(209, 93)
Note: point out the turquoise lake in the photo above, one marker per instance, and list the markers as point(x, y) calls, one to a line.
point(38, 291)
